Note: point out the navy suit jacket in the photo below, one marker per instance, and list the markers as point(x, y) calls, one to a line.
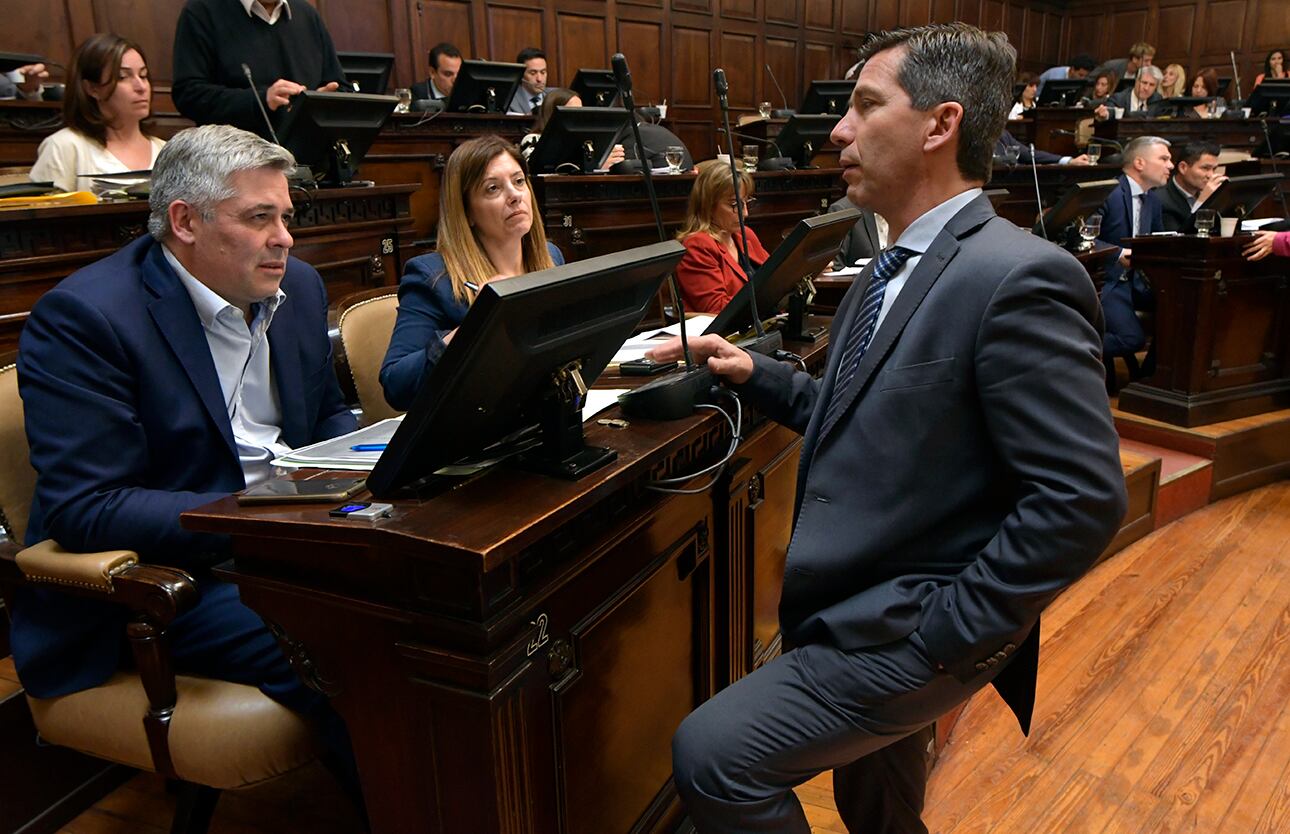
point(1124, 292)
point(971, 471)
point(128, 428)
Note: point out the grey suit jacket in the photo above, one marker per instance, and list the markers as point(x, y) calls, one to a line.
point(973, 472)
point(861, 241)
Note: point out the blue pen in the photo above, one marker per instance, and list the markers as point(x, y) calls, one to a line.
point(368, 447)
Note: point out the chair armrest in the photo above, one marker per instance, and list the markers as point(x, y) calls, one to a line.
point(159, 593)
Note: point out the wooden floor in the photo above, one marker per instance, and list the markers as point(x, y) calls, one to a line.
point(1163, 694)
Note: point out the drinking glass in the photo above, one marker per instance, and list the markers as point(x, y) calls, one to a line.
point(1094, 152)
point(1205, 222)
point(750, 158)
point(405, 100)
point(763, 109)
point(674, 154)
point(1011, 154)
point(1089, 228)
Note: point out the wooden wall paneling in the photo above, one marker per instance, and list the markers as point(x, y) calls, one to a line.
point(654, 4)
point(737, 53)
point(1032, 46)
point(511, 29)
point(782, 56)
point(1271, 27)
point(1224, 26)
point(820, 14)
point(915, 12)
point(641, 41)
point(581, 41)
point(741, 9)
point(782, 11)
point(943, 11)
point(151, 25)
point(886, 14)
point(992, 15)
point(1125, 27)
point(855, 17)
point(1015, 25)
point(437, 21)
point(1174, 35)
point(47, 30)
point(1051, 44)
point(969, 11)
point(405, 29)
point(691, 67)
point(818, 62)
point(704, 6)
point(80, 15)
point(1085, 33)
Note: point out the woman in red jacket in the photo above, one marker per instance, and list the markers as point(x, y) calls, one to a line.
point(710, 273)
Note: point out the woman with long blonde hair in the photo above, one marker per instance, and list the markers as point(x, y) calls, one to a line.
point(489, 228)
point(710, 273)
point(1174, 82)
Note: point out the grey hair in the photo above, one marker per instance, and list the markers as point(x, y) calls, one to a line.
point(195, 166)
point(957, 62)
point(1139, 147)
point(1154, 72)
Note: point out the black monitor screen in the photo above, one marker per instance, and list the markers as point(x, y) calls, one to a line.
point(484, 87)
point(513, 353)
point(331, 132)
point(369, 70)
point(1125, 83)
point(578, 139)
point(808, 249)
point(1271, 96)
point(803, 136)
point(827, 96)
point(1240, 196)
point(1081, 200)
point(1062, 92)
point(596, 87)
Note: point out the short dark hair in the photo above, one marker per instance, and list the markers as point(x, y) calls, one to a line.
point(528, 53)
point(1191, 152)
point(441, 49)
point(957, 62)
point(1084, 62)
point(98, 56)
point(1209, 78)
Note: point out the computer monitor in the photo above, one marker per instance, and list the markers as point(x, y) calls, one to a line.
point(1224, 81)
point(596, 87)
point(827, 96)
point(1240, 196)
point(1062, 92)
point(522, 358)
point(809, 248)
point(484, 87)
point(331, 132)
point(369, 70)
point(804, 135)
point(1125, 83)
point(578, 140)
point(10, 61)
point(1270, 97)
point(1080, 200)
point(1177, 105)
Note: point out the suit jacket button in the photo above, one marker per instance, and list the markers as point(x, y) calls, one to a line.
point(992, 661)
point(981, 667)
point(1010, 648)
point(1001, 655)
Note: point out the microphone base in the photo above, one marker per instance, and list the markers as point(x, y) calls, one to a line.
point(783, 113)
point(776, 163)
point(670, 397)
point(767, 343)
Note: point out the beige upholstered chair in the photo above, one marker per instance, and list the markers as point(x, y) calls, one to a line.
point(366, 322)
point(212, 735)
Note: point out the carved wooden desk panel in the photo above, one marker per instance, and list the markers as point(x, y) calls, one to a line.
point(513, 655)
point(355, 237)
point(1222, 332)
point(1238, 134)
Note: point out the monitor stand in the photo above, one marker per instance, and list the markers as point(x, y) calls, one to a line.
point(795, 329)
point(563, 454)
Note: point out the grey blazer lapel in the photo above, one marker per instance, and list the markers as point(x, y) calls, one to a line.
point(933, 262)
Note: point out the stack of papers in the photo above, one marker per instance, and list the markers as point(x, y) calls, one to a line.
point(636, 346)
point(1255, 225)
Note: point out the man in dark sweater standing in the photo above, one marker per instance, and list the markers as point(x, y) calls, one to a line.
point(286, 46)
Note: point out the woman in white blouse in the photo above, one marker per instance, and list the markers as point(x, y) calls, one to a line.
point(108, 96)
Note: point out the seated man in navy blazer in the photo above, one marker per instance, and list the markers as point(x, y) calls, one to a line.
point(1131, 210)
point(1135, 101)
point(161, 378)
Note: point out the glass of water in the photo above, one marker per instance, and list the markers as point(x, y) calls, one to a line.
point(674, 154)
point(1094, 152)
point(1089, 228)
point(763, 109)
point(405, 100)
point(1205, 219)
point(750, 159)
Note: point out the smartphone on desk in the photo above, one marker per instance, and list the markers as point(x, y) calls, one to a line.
point(288, 491)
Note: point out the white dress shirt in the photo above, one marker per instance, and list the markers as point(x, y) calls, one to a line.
point(241, 356)
point(1135, 201)
point(523, 101)
point(253, 7)
point(918, 238)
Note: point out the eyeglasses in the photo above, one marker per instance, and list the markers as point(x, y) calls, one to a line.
point(747, 201)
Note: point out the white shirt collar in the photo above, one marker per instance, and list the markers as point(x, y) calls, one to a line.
point(920, 234)
point(208, 303)
point(254, 9)
point(1134, 187)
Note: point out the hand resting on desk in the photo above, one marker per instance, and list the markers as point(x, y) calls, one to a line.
point(722, 358)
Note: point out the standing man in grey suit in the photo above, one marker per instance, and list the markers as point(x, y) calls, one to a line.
point(959, 469)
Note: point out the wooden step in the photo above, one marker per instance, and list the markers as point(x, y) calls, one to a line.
point(1185, 480)
point(1142, 481)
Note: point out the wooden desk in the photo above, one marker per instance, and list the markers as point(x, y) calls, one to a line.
point(356, 237)
point(768, 129)
point(1238, 134)
point(515, 654)
point(1037, 126)
point(1222, 332)
point(414, 147)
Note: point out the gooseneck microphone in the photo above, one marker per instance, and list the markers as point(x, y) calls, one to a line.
point(723, 90)
point(260, 101)
point(1236, 76)
point(779, 162)
point(623, 78)
point(782, 97)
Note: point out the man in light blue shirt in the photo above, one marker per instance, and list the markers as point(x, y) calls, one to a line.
point(1079, 67)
